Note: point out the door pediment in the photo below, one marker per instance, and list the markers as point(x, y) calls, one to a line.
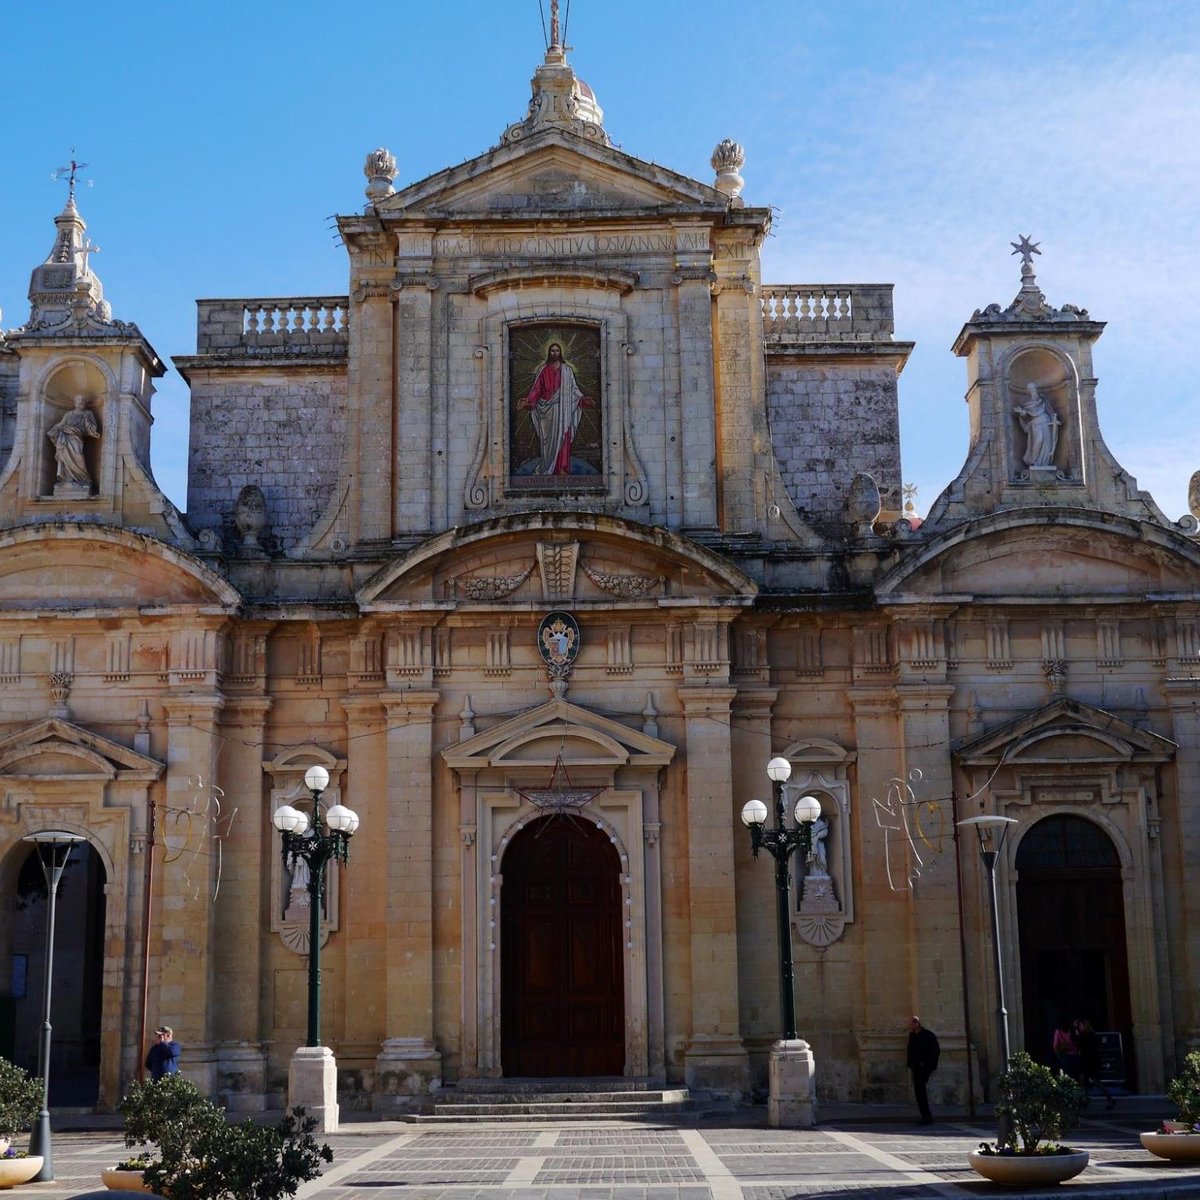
point(554, 730)
point(56, 749)
point(1065, 732)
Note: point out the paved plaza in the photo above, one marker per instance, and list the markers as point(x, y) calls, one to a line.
point(712, 1157)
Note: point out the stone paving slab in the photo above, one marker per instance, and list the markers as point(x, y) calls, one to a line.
point(733, 1157)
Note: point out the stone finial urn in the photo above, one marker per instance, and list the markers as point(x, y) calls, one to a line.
point(380, 170)
point(727, 160)
point(863, 504)
point(250, 516)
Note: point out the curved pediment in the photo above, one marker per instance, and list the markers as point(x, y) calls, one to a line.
point(1048, 555)
point(64, 567)
point(1065, 731)
point(538, 559)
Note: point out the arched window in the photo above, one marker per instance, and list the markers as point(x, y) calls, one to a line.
point(1066, 843)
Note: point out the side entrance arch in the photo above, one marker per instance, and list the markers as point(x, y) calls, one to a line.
point(562, 959)
point(1071, 914)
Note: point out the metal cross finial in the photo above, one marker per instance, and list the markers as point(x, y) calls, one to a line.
point(1026, 249)
point(69, 173)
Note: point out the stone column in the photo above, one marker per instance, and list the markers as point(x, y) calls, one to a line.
point(715, 1058)
point(187, 996)
point(237, 952)
point(409, 1064)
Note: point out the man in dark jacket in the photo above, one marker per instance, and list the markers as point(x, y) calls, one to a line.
point(163, 1058)
point(923, 1054)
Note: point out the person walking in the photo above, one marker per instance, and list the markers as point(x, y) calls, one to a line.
point(163, 1058)
point(1066, 1050)
point(1088, 1041)
point(923, 1053)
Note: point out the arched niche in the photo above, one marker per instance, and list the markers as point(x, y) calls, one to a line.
point(77, 377)
point(1043, 405)
point(824, 889)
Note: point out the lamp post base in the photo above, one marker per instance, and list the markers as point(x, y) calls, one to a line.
point(792, 1100)
point(312, 1084)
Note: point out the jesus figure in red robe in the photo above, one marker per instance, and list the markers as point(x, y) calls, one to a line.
point(556, 403)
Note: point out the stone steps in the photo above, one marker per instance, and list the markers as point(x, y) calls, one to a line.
point(524, 1103)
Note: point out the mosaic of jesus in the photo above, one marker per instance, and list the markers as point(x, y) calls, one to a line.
point(554, 414)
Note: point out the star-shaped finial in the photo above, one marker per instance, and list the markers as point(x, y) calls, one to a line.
point(1026, 249)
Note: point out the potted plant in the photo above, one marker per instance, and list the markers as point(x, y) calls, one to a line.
point(128, 1175)
point(1180, 1140)
point(1037, 1106)
point(20, 1103)
point(201, 1156)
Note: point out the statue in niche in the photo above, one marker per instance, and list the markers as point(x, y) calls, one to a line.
point(817, 859)
point(67, 437)
point(1040, 424)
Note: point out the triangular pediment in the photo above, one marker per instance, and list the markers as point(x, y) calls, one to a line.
point(55, 749)
point(1062, 732)
point(558, 729)
point(554, 171)
point(68, 566)
point(583, 559)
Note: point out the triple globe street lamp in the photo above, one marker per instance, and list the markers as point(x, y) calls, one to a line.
point(315, 840)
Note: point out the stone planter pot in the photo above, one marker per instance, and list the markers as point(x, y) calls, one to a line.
point(15, 1171)
point(1178, 1147)
point(1028, 1170)
point(119, 1180)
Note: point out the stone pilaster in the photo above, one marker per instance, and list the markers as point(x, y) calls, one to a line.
point(237, 954)
point(694, 330)
point(715, 1059)
point(182, 954)
point(409, 1063)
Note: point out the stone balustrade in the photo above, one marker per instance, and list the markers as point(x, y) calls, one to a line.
point(827, 312)
point(298, 325)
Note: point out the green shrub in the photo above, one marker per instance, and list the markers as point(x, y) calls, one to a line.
point(1040, 1105)
point(201, 1156)
point(20, 1099)
point(1184, 1090)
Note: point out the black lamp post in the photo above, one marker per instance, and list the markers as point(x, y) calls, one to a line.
point(326, 836)
point(53, 848)
point(782, 842)
point(991, 831)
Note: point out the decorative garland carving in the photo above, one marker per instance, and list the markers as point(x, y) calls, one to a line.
point(628, 587)
point(494, 587)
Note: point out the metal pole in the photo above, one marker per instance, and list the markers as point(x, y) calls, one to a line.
point(783, 912)
point(316, 874)
point(39, 1137)
point(989, 861)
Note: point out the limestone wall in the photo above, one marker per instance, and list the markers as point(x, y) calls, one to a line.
point(281, 430)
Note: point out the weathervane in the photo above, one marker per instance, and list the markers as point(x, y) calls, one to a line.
point(70, 174)
point(1026, 249)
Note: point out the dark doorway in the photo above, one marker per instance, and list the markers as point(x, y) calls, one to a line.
point(1071, 914)
point(77, 991)
point(562, 976)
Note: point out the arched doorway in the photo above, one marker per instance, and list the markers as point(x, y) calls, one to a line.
point(1071, 916)
point(76, 996)
point(562, 963)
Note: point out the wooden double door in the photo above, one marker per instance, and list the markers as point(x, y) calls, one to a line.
point(562, 962)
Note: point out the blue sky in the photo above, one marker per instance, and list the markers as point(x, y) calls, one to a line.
point(899, 142)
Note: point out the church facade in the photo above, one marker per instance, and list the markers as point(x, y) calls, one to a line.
point(543, 537)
